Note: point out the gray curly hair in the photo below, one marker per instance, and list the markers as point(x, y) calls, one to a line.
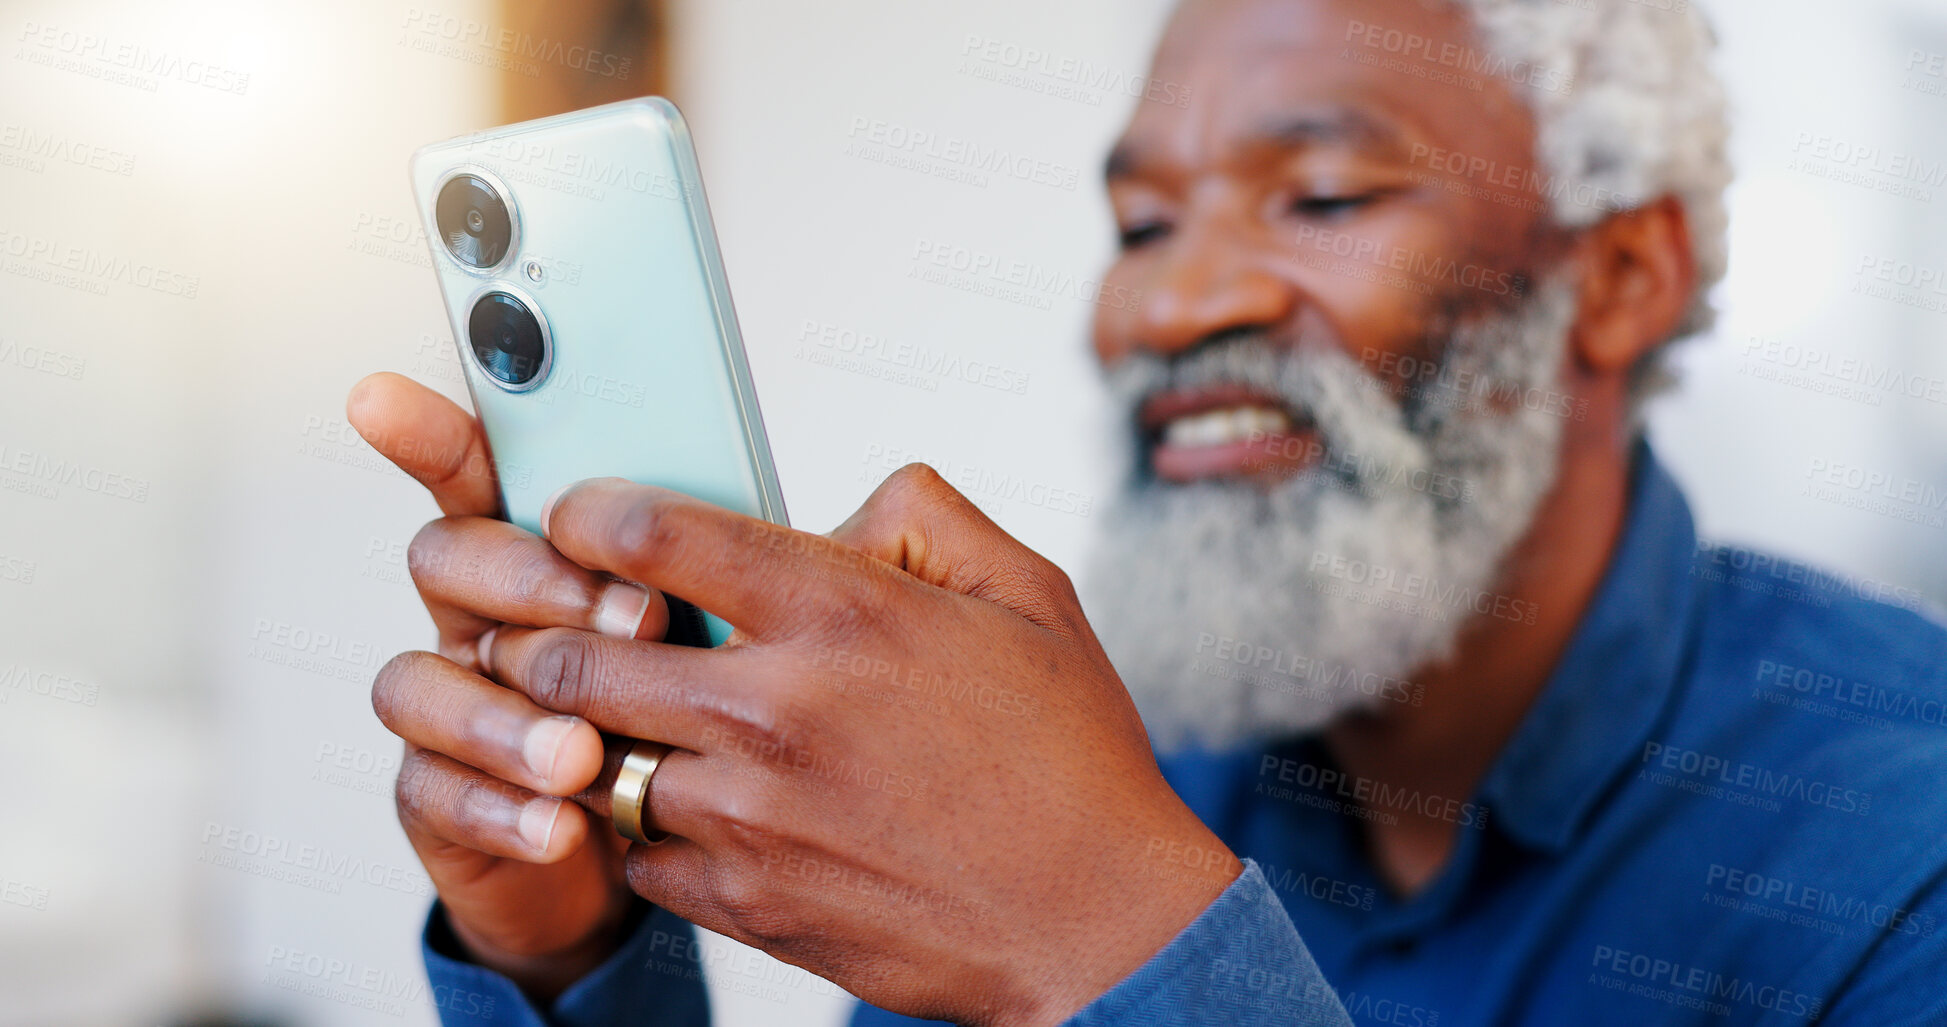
point(1639, 115)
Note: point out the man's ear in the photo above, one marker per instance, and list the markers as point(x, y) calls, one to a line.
point(1638, 274)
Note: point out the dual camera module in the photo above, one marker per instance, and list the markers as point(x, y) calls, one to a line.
point(476, 224)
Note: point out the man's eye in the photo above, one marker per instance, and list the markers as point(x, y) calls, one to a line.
point(1332, 206)
point(1142, 233)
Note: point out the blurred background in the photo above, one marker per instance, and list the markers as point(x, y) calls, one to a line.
point(201, 566)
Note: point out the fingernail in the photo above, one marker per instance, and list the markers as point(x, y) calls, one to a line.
point(547, 508)
point(542, 748)
point(485, 647)
point(538, 818)
point(622, 608)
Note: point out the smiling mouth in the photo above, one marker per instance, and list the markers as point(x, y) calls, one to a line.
point(1225, 431)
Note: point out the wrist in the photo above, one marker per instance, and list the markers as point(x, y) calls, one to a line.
point(543, 976)
point(1178, 870)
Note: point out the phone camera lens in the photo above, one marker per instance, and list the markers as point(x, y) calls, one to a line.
point(474, 221)
point(507, 339)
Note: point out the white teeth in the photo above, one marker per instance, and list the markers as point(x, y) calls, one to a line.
point(1267, 420)
point(1225, 425)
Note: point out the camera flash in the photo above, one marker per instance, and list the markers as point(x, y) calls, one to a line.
point(534, 272)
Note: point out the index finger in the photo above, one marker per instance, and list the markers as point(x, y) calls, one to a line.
point(430, 438)
point(759, 576)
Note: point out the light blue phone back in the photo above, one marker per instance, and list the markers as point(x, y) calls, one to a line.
point(648, 379)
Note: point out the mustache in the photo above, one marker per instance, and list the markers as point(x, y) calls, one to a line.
point(1251, 359)
point(1311, 376)
point(1321, 386)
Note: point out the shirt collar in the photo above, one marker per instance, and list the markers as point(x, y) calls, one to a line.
point(1613, 682)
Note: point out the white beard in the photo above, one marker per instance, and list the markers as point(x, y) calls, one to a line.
point(1184, 577)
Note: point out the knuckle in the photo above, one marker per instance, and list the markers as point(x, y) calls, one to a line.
point(854, 613)
point(652, 524)
point(1049, 599)
point(531, 577)
point(744, 896)
point(739, 898)
point(750, 729)
point(908, 489)
point(475, 799)
point(919, 479)
point(650, 879)
point(426, 555)
point(420, 792)
point(393, 696)
point(764, 745)
point(438, 794)
point(1054, 579)
point(916, 500)
point(747, 820)
point(1040, 592)
point(561, 670)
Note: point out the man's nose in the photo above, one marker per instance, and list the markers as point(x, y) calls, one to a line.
point(1209, 283)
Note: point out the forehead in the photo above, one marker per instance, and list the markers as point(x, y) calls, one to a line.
point(1411, 70)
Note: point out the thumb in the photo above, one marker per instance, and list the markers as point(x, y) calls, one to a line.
point(430, 438)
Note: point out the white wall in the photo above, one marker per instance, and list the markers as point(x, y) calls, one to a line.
point(253, 515)
point(263, 523)
point(1809, 78)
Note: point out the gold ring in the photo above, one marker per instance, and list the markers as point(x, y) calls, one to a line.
point(628, 800)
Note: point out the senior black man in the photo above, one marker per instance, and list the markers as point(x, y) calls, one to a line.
point(1458, 722)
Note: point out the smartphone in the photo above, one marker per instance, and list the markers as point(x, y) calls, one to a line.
point(593, 321)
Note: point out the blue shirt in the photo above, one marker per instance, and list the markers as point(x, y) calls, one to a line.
point(1725, 807)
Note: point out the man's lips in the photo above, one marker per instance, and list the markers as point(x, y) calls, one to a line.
point(1224, 431)
point(1161, 408)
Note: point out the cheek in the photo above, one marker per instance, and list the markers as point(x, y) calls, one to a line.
point(1390, 282)
point(1369, 318)
point(1369, 310)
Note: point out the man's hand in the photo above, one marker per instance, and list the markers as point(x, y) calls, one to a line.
point(912, 770)
point(529, 888)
